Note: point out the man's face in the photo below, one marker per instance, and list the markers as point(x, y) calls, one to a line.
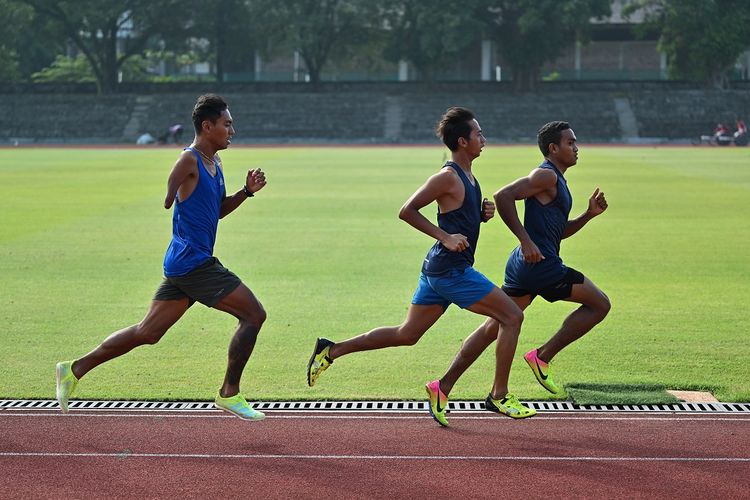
point(476, 140)
point(220, 133)
point(565, 153)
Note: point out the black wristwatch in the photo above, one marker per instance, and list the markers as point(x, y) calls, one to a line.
point(247, 192)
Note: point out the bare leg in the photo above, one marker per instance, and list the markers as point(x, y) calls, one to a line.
point(498, 306)
point(418, 320)
point(475, 345)
point(594, 308)
point(243, 305)
point(160, 317)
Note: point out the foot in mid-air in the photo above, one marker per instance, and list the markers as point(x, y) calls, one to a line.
point(508, 405)
point(239, 407)
point(541, 371)
point(438, 402)
point(319, 360)
point(66, 383)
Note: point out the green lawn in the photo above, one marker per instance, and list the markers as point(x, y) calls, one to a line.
point(83, 235)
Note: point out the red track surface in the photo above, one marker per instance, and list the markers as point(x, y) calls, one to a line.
point(90, 454)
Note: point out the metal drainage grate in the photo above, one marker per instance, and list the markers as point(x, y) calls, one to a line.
point(369, 406)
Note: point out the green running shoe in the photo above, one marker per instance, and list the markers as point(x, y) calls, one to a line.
point(238, 406)
point(438, 402)
point(319, 360)
point(509, 405)
point(66, 383)
point(541, 371)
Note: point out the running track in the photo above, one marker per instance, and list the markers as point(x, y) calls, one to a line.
point(90, 454)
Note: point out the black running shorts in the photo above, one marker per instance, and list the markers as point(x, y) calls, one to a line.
point(554, 292)
point(208, 284)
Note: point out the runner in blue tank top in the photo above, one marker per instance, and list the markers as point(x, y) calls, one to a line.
point(535, 267)
point(192, 273)
point(448, 276)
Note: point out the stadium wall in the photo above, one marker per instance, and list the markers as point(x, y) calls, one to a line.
point(386, 112)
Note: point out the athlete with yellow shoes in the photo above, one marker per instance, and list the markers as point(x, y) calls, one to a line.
point(448, 275)
point(535, 267)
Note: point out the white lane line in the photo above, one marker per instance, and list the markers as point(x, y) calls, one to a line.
point(127, 454)
point(273, 416)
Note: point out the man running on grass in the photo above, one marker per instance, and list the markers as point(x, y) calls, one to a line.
point(192, 274)
point(535, 267)
point(448, 275)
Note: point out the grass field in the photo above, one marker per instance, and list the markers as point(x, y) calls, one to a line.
point(83, 235)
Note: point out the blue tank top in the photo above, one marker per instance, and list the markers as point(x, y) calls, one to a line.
point(194, 223)
point(545, 225)
point(464, 220)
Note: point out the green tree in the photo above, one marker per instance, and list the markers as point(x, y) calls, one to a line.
point(78, 70)
point(109, 32)
point(430, 33)
point(530, 33)
point(317, 29)
point(701, 38)
point(15, 19)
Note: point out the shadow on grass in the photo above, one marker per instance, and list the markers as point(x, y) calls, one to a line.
point(628, 394)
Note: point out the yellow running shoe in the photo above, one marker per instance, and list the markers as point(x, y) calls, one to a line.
point(238, 406)
point(508, 405)
point(319, 360)
point(541, 371)
point(66, 383)
point(438, 403)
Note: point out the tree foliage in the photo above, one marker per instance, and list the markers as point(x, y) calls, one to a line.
point(13, 18)
point(530, 33)
point(430, 34)
point(317, 29)
point(94, 27)
point(701, 38)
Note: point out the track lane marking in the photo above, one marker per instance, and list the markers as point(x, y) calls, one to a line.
point(221, 456)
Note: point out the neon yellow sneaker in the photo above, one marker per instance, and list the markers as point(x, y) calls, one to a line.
point(238, 406)
point(319, 360)
point(541, 371)
point(438, 403)
point(66, 383)
point(508, 405)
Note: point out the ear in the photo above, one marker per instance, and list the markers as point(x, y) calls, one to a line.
point(553, 148)
point(462, 142)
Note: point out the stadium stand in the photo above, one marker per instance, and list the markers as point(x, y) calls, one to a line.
point(386, 112)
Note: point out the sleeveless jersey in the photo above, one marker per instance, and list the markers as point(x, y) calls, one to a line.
point(464, 220)
point(545, 225)
point(194, 223)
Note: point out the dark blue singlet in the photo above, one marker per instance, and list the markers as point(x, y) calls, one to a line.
point(545, 225)
point(194, 223)
point(464, 220)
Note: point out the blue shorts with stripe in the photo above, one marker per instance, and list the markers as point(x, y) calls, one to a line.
point(461, 287)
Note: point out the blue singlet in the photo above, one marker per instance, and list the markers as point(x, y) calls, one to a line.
point(194, 223)
point(464, 220)
point(545, 225)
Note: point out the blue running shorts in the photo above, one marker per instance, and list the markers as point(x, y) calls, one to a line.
point(460, 287)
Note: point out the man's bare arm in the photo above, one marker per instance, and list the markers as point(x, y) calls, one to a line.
point(436, 187)
point(597, 205)
point(537, 182)
point(185, 166)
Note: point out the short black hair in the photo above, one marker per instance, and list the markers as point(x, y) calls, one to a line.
point(454, 124)
point(207, 107)
point(550, 133)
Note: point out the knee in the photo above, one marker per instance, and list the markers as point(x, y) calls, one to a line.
point(407, 337)
point(603, 306)
point(254, 317)
point(513, 320)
